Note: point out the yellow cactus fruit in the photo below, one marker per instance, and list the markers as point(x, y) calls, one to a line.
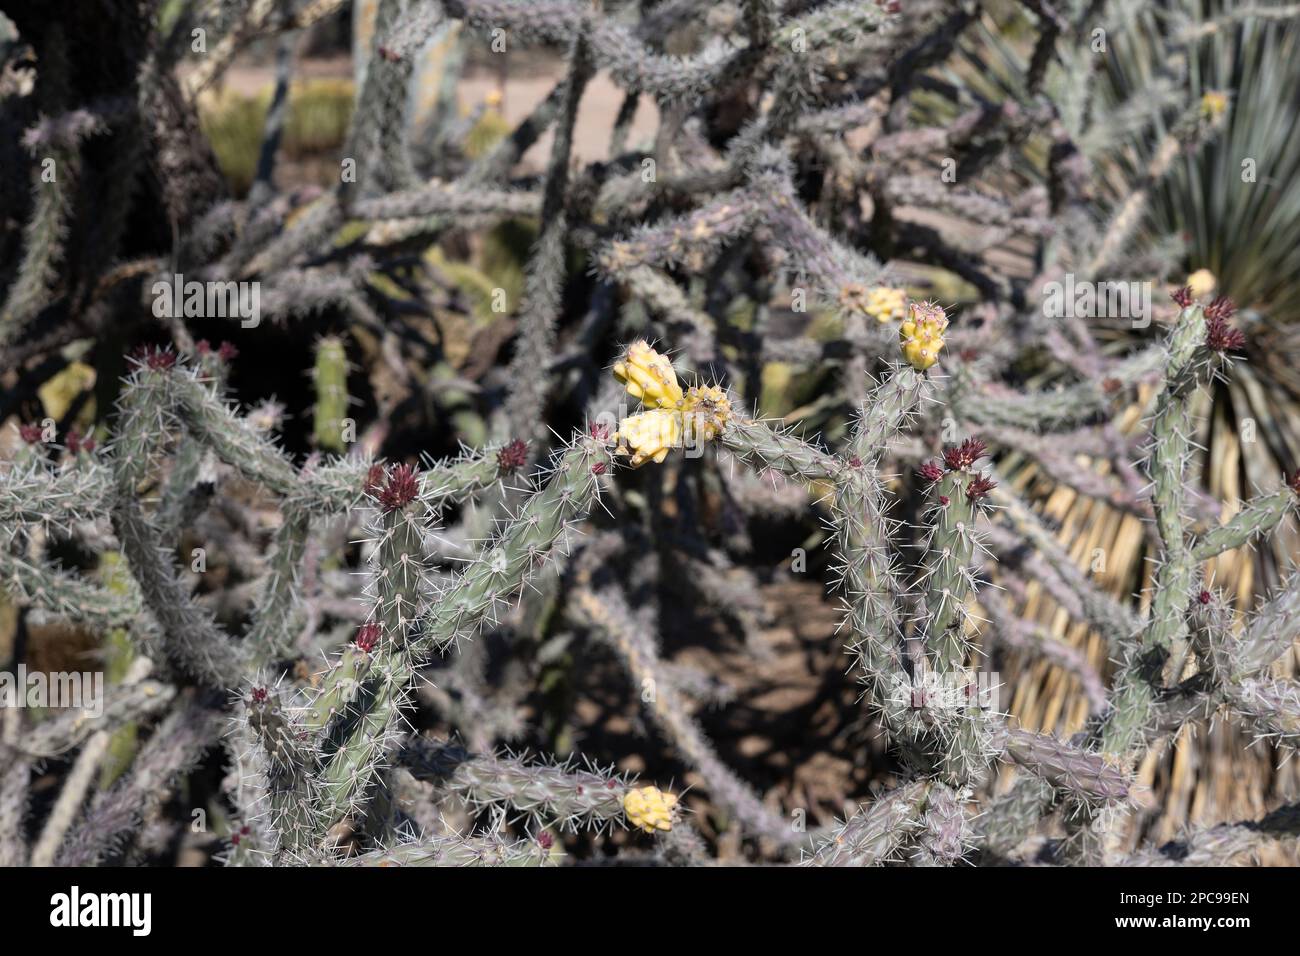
point(675, 418)
point(1202, 282)
point(921, 334)
point(650, 809)
point(649, 436)
point(1214, 104)
point(885, 304)
point(648, 376)
point(882, 303)
point(705, 412)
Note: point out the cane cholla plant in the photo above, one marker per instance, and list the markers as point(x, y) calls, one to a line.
point(388, 626)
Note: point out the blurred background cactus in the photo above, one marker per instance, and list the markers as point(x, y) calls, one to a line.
point(519, 432)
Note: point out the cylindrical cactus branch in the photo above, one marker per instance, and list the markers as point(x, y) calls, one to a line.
point(782, 451)
point(947, 830)
point(176, 745)
point(1057, 409)
point(192, 640)
point(372, 684)
point(877, 833)
point(287, 767)
point(1256, 518)
point(1210, 632)
point(447, 200)
point(33, 493)
point(870, 586)
point(271, 635)
point(330, 381)
point(891, 406)
point(1011, 818)
point(529, 538)
point(1268, 709)
point(234, 440)
point(862, 532)
point(614, 46)
point(178, 493)
point(956, 492)
point(1165, 631)
point(562, 795)
point(699, 234)
point(1226, 844)
point(1271, 632)
point(1087, 776)
point(841, 275)
point(69, 729)
point(1169, 451)
point(452, 850)
point(15, 797)
point(38, 584)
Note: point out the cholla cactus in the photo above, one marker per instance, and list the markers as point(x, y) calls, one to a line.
point(416, 603)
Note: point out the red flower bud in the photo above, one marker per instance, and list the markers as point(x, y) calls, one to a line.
point(965, 454)
point(1221, 308)
point(367, 636)
point(979, 488)
point(1221, 337)
point(158, 358)
point(76, 443)
point(512, 456)
point(401, 489)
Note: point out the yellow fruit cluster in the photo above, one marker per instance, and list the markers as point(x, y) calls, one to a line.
point(885, 304)
point(1214, 104)
point(705, 411)
point(921, 334)
point(882, 303)
point(650, 809)
point(649, 436)
point(699, 414)
point(648, 376)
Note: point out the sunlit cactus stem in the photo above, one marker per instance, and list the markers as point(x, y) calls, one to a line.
point(330, 379)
